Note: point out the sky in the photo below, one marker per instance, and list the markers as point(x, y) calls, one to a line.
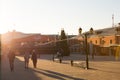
point(50, 16)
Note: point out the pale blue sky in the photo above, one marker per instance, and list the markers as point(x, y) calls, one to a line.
point(49, 16)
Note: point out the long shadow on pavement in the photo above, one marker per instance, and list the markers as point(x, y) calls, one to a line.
point(56, 75)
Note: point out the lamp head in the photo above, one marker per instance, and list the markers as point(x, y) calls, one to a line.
point(91, 30)
point(80, 30)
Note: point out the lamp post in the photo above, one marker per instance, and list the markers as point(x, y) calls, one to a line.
point(86, 45)
point(118, 34)
point(118, 28)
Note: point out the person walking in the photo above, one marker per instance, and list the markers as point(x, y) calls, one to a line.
point(34, 58)
point(11, 57)
point(26, 58)
point(61, 52)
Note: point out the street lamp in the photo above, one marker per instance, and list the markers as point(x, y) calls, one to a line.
point(80, 30)
point(86, 45)
point(117, 34)
point(118, 28)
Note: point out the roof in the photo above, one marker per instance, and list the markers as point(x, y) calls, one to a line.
point(106, 31)
point(7, 37)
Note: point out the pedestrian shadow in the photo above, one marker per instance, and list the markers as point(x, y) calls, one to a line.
point(56, 75)
point(105, 70)
point(30, 73)
point(109, 71)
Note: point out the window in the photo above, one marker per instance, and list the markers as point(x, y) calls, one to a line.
point(110, 41)
point(90, 41)
point(96, 41)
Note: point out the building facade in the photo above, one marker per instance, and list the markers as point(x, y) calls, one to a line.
point(103, 42)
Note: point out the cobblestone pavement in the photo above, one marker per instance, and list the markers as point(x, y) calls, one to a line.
point(101, 68)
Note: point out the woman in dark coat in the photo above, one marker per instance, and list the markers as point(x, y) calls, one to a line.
point(34, 58)
point(11, 57)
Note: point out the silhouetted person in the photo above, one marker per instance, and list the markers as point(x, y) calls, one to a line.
point(61, 52)
point(11, 57)
point(26, 58)
point(58, 54)
point(34, 58)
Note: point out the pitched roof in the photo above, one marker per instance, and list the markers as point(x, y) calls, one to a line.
point(106, 31)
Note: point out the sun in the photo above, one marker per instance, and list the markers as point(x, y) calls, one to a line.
point(5, 29)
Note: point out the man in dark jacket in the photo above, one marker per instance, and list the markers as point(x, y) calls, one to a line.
point(34, 58)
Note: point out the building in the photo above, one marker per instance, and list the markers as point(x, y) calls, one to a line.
point(21, 41)
point(102, 42)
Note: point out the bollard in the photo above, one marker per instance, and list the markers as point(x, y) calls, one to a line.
point(71, 62)
point(60, 60)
